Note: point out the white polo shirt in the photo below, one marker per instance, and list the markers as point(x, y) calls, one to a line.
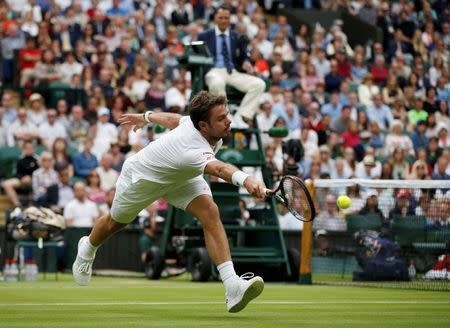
point(176, 157)
point(83, 214)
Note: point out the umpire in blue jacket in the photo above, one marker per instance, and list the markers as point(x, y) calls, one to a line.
point(231, 63)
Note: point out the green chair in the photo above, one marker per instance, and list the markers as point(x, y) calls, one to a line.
point(8, 159)
point(356, 223)
point(408, 230)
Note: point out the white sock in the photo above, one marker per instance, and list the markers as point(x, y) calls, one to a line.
point(87, 250)
point(227, 274)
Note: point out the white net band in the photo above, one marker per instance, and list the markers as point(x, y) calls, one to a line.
point(416, 184)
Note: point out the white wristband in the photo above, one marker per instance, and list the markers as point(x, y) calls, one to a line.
point(238, 178)
point(147, 116)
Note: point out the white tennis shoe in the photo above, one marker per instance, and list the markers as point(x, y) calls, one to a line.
point(82, 268)
point(244, 291)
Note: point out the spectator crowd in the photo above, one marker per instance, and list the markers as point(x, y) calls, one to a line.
point(378, 110)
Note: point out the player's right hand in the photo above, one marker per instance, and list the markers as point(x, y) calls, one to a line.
point(255, 187)
point(136, 120)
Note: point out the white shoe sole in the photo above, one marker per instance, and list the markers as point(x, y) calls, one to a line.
point(254, 290)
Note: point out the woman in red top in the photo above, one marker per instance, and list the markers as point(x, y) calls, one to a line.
point(351, 137)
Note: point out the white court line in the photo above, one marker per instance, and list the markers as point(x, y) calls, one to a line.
point(213, 303)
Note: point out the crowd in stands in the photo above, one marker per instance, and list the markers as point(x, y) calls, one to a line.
point(378, 110)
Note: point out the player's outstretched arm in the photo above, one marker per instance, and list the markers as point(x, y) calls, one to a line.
point(232, 174)
point(168, 120)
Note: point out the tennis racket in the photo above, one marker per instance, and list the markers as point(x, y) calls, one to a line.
point(293, 194)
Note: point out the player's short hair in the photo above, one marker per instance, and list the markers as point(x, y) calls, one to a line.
point(201, 105)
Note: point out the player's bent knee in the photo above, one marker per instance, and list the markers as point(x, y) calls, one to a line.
point(209, 213)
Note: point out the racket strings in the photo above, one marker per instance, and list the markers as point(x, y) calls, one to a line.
point(296, 199)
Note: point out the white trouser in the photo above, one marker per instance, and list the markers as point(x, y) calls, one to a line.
point(252, 86)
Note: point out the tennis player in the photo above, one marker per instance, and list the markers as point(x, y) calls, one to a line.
point(172, 168)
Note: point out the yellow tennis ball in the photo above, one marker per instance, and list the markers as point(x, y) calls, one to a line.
point(344, 202)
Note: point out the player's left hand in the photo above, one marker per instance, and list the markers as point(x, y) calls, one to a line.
point(136, 120)
point(255, 187)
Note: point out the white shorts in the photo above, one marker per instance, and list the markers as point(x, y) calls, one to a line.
point(131, 198)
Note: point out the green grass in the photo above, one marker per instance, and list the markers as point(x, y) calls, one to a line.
point(136, 302)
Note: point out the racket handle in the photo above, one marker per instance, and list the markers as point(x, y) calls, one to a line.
point(268, 192)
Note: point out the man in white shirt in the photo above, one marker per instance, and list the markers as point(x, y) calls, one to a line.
point(80, 211)
point(21, 130)
point(172, 167)
point(70, 67)
point(50, 130)
point(108, 176)
point(104, 133)
point(266, 119)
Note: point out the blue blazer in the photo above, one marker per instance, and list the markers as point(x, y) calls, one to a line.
point(238, 46)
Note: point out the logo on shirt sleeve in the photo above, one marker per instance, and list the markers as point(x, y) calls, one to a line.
point(208, 156)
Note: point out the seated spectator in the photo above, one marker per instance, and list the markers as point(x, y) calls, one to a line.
point(61, 193)
point(108, 176)
point(326, 162)
point(417, 113)
point(94, 191)
point(333, 79)
point(386, 171)
point(342, 123)
point(376, 137)
point(176, 97)
point(78, 128)
point(418, 171)
point(392, 91)
point(380, 113)
point(51, 130)
point(28, 58)
point(333, 108)
point(440, 169)
point(9, 112)
point(368, 168)
point(350, 160)
point(367, 90)
point(310, 80)
point(46, 71)
point(419, 139)
point(328, 219)
point(404, 204)
point(85, 161)
point(371, 206)
point(104, 132)
point(287, 220)
point(400, 167)
point(423, 205)
point(36, 113)
point(21, 130)
point(25, 167)
point(442, 134)
point(70, 67)
point(359, 69)
point(118, 158)
point(379, 70)
point(395, 139)
point(43, 177)
point(442, 115)
point(80, 211)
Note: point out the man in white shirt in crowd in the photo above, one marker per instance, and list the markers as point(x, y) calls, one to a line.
point(21, 130)
point(172, 167)
point(266, 120)
point(50, 130)
point(104, 133)
point(80, 211)
point(70, 67)
point(108, 176)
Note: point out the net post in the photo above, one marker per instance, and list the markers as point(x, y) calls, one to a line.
point(305, 277)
